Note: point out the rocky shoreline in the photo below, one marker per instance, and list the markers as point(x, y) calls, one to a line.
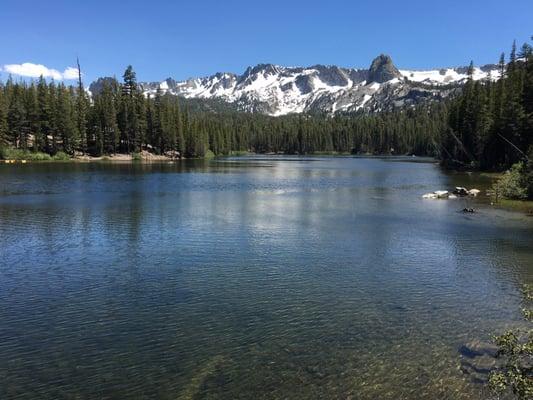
point(142, 156)
point(457, 192)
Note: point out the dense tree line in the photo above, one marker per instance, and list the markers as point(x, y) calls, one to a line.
point(51, 117)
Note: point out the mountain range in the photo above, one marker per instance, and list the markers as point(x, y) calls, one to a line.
point(276, 90)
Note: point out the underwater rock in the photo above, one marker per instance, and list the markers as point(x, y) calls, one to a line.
point(477, 348)
point(479, 359)
point(212, 370)
point(482, 364)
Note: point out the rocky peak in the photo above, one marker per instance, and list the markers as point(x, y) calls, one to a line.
point(97, 86)
point(265, 69)
point(171, 82)
point(382, 70)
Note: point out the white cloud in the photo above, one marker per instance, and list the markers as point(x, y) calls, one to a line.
point(36, 70)
point(70, 73)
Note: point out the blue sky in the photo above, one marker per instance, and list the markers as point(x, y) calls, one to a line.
point(196, 38)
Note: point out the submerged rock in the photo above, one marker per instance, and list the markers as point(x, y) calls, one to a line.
point(479, 359)
point(483, 364)
point(477, 348)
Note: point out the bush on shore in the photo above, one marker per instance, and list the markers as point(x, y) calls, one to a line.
point(516, 183)
point(516, 347)
point(61, 156)
point(10, 153)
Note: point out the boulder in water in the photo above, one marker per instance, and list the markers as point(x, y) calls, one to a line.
point(460, 191)
point(438, 194)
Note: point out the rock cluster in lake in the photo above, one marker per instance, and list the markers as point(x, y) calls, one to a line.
point(457, 192)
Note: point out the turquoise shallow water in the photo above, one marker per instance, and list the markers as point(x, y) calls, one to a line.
point(258, 277)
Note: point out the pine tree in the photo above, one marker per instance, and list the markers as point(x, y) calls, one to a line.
point(16, 118)
point(82, 104)
point(157, 121)
point(44, 117)
point(128, 115)
point(180, 137)
point(31, 106)
point(53, 136)
point(513, 112)
point(129, 88)
point(65, 124)
point(141, 127)
point(108, 121)
point(3, 117)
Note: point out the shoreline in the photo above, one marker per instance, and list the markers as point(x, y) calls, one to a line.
point(521, 206)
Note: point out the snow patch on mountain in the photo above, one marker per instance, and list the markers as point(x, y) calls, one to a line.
point(449, 75)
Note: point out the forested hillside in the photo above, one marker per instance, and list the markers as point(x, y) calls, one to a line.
point(491, 124)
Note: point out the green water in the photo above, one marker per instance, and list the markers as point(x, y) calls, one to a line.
point(253, 277)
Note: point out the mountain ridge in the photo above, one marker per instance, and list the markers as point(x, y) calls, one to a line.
point(277, 90)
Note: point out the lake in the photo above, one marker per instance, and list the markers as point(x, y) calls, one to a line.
point(254, 277)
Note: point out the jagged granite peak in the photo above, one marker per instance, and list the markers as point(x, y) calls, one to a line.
point(170, 82)
point(263, 68)
point(97, 86)
point(382, 69)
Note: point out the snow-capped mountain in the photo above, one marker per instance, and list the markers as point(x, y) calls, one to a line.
point(276, 90)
